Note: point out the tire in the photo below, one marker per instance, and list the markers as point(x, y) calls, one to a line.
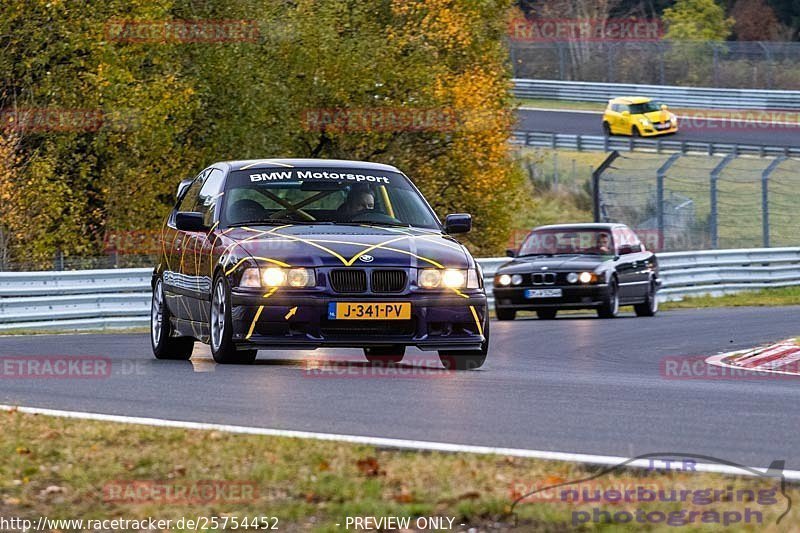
point(164, 345)
point(607, 129)
point(546, 314)
point(385, 354)
point(221, 328)
point(610, 307)
point(466, 359)
point(650, 306)
point(505, 314)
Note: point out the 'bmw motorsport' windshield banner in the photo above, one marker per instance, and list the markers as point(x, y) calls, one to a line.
point(315, 174)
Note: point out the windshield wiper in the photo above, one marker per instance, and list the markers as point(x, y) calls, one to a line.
point(276, 222)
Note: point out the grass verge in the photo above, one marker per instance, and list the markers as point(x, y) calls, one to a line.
point(65, 468)
point(762, 298)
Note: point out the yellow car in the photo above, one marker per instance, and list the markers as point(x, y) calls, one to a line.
point(638, 116)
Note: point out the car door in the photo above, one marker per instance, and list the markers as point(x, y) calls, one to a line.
point(626, 267)
point(207, 203)
point(176, 289)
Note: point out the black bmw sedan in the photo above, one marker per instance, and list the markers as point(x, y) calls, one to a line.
point(309, 253)
point(578, 266)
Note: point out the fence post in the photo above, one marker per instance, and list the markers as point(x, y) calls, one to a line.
point(596, 183)
point(765, 198)
point(561, 61)
point(714, 206)
point(660, 174)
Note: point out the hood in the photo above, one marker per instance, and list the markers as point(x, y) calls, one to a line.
point(564, 263)
point(658, 116)
point(340, 245)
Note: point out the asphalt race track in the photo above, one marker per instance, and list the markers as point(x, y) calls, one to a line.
point(575, 384)
point(695, 129)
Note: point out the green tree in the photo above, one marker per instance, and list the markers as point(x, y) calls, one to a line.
point(697, 20)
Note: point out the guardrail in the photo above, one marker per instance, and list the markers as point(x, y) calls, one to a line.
point(75, 300)
point(113, 299)
point(690, 97)
point(602, 143)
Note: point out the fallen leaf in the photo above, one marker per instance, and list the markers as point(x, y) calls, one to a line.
point(369, 467)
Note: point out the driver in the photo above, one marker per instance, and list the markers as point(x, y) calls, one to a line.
point(604, 243)
point(358, 200)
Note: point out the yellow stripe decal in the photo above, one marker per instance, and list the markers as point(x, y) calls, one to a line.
point(271, 292)
point(385, 195)
point(253, 325)
point(477, 320)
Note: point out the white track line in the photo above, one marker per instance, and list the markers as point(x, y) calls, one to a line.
point(698, 116)
point(607, 460)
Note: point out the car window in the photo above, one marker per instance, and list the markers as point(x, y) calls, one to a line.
point(337, 195)
point(208, 195)
point(553, 241)
point(190, 196)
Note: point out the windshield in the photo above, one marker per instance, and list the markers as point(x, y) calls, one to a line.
point(319, 195)
point(647, 107)
point(563, 241)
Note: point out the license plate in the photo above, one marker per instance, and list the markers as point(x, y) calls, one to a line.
point(543, 293)
point(369, 311)
point(662, 126)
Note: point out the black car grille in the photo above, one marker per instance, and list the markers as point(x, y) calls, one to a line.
point(350, 280)
point(375, 328)
point(388, 280)
point(547, 278)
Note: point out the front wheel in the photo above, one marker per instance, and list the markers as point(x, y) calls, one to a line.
point(165, 346)
point(610, 307)
point(222, 347)
point(607, 129)
point(467, 359)
point(385, 354)
point(650, 306)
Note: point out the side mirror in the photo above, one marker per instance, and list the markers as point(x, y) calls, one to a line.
point(458, 223)
point(511, 252)
point(664, 107)
point(626, 113)
point(189, 221)
point(182, 186)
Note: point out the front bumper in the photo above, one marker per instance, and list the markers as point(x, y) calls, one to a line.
point(572, 297)
point(438, 322)
point(650, 131)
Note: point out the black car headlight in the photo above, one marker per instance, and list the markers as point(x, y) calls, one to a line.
point(278, 277)
point(448, 278)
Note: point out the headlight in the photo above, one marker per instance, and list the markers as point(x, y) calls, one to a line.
point(516, 279)
point(644, 122)
point(572, 277)
point(587, 277)
point(278, 277)
point(449, 278)
point(504, 280)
